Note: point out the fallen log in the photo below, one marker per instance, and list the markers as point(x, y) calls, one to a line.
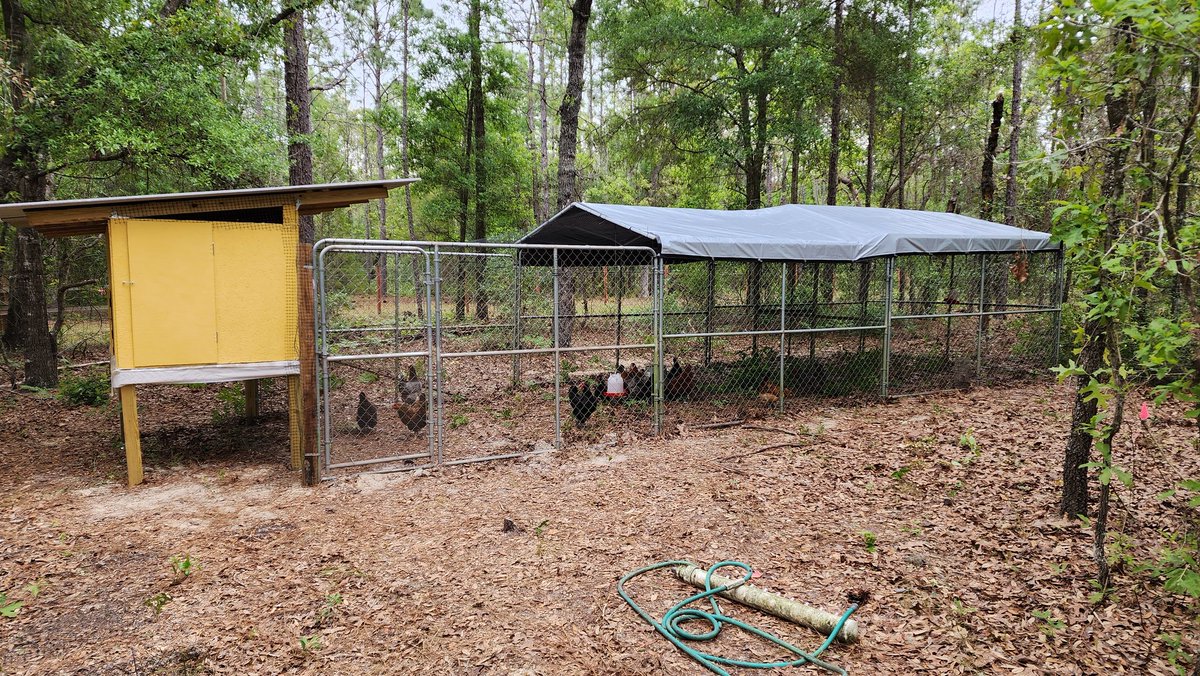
point(772, 604)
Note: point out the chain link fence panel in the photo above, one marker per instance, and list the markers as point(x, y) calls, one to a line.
point(516, 349)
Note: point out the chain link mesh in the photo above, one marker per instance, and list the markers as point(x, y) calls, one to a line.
point(518, 349)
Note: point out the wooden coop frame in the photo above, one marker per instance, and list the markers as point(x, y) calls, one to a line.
point(208, 287)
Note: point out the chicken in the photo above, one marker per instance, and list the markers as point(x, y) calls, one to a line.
point(768, 391)
point(413, 414)
point(584, 400)
point(367, 416)
point(412, 389)
point(680, 382)
point(638, 383)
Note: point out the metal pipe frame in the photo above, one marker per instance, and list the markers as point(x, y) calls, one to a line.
point(773, 332)
point(659, 347)
point(517, 304)
point(886, 363)
point(436, 366)
point(546, 350)
point(982, 314)
point(434, 329)
point(782, 331)
point(557, 358)
point(988, 313)
point(949, 308)
point(324, 421)
point(333, 358)
point(1058, 300)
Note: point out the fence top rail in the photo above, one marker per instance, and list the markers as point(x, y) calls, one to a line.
point(440, 247)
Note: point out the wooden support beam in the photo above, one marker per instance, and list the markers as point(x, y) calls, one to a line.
point(307, 413)
point(297, 456)
point(319, 202)
point(251, 392)
point(129, 428)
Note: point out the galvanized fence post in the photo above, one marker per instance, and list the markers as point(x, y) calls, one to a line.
point(782, 330)
point(659, 305)
point(396, 318)
point(982, 314)
point(321, 341)
point(557, 358)
point(1058, 303)
point(516, 344)
point(440, 416)
point(886, 362)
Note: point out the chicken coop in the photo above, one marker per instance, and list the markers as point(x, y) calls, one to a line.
point(206, 287)
point(610, 321)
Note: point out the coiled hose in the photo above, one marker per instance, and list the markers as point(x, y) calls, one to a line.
point(671, 626)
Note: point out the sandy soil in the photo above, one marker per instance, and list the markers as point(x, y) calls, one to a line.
point(408, 573)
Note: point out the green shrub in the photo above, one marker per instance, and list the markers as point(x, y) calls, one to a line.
point(89, 390)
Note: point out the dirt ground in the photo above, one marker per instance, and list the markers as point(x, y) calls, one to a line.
point(407, 573)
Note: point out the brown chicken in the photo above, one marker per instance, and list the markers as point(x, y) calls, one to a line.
point(413, 415)
point(768, 391)
point(680, 382)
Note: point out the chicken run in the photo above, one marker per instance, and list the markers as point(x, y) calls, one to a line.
point(435, 353)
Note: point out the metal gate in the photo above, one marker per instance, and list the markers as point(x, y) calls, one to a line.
point(377, 353)
point(472, 336)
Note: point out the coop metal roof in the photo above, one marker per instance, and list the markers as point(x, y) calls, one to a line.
point(90, 216)
point(790, 232)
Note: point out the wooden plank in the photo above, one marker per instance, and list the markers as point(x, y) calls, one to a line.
point(53, 217)
point(251, 392)
point(307, 414)
point(297, 456)
point(129, 428)
point(318, 202)
point(88, 228)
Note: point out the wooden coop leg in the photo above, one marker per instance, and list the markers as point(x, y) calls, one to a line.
point(133, 440)
point(251, 391)
point(294, 427)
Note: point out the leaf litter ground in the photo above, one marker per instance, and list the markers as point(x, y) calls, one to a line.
point(421, 574)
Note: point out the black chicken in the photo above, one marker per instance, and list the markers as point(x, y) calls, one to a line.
point(584, 399)
point(412, 389)
point(367, 416)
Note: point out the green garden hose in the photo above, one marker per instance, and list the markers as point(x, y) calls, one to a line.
point(671, 626)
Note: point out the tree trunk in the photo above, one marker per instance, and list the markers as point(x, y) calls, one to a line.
point(1096, 329)
point(20, 173)
point(987, 181)
point(835, 109)
point(870, 184)
point(1000, 283)
point(479, 135)
point(902, 137)
point(795, 168)
point(544, 114)
point(405, 167)
point(530, 116)
point(1014, 119)
point(464, 211)
point(299, 112)
point(381, 169)
point(568, 180)
point(758, 153)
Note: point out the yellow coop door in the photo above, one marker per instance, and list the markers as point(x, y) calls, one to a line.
point(255, 291)
point(201, 292)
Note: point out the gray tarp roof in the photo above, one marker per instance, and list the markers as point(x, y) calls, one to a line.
point(793, 232)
